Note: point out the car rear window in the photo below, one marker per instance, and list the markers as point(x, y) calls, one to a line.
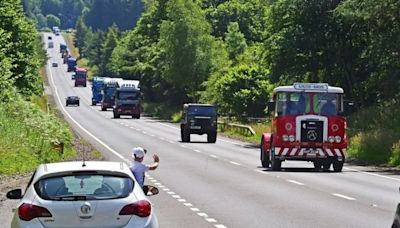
point(84, 187)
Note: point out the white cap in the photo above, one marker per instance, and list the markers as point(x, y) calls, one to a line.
point(138, 152)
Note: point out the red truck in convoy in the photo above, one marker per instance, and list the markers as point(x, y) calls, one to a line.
point(80, 77)
point(308, 124)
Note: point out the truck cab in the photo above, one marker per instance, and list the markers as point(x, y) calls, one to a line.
point(71, 63)
point(97, 86)
point(308, 124)
point(199, 119)
point(80, 77)
point(108, 92)
point(127, 99)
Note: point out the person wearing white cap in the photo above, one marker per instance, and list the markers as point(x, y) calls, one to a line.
point(138, 168)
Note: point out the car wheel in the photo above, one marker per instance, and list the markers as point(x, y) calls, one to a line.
point(93, 103)
point(138, 116)
point(116, 116)
point(212, 137)
point(66, 104)
point(275, 163)
point(103, 109)
point(265, 162)
point(185, 135)
point(337, 165)
point(78, 103)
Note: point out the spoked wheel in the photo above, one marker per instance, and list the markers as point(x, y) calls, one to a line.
point(264, 157)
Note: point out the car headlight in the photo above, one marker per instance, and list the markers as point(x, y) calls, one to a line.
point(331, 139)
point(338, 139)
point(285, 138)
point(191, 121)
point(291, 138)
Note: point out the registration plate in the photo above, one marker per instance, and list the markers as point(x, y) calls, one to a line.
point(310, 152)
point(195, 127)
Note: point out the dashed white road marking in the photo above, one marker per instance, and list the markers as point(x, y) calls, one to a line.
point(171, 141)
point(213, 156)
point(171, 193)
point(183, 146)
point(260, 171)
point(197, 151)
point(220, 226)
point(181, 200)
point(343, 196)
point(188, 204)
point(295, 182)
point(176, 196)
point(201, 214)
point(234, 163)
point(211, 220)
point(194, 209)
point(152, 135)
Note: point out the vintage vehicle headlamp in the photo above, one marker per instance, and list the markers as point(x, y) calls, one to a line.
point(191, 121)
point(331, 139)
point(285, 138)
point(292, 138)
point(338, 139)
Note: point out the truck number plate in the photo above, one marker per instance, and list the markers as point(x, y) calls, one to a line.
point(195, 127)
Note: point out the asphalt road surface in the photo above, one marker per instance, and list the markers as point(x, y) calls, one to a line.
point(222, 184)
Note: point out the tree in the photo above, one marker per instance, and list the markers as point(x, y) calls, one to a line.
point(186, 41)
point(80, 35)
point(52, 21)
point(236, 43)
point(109, 44)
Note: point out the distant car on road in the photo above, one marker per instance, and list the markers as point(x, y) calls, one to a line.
point(50, 44)
point(83, 194)
point(72, 100)
point(54, 64)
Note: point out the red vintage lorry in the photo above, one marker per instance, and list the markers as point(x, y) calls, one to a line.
point(308, 124)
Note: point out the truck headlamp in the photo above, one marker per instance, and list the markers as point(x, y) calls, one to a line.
point(331, 139)
point(285, 138)
point(338, 139)
point(292, 138)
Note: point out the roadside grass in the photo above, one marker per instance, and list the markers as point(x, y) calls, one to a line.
point(29, 137)
point(374, 135)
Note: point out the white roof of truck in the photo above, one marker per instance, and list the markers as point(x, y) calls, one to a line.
point(129, 83)
point(309, 87)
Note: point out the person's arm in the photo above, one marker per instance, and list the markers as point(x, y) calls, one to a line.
point(155, 164)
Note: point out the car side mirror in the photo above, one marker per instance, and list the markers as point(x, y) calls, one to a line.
point(150, 190)
point(15, 194)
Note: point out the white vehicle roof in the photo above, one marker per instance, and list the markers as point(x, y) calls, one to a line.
point(129, 83)
point(68, 167)
point(309, 87)
point(116, 80)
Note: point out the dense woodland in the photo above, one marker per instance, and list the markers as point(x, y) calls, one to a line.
point(234, 52)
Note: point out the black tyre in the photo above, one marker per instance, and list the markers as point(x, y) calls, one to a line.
point(103, 109)
point(212, 137)
point(265, 162)
point(275, 163)
point(78, 104)
point(337, 165)
point(66, 104)
point(93, 103)
point(185, 135)
point(138, 116)
point(317, 164)
point(116, 116)
point(326, 165)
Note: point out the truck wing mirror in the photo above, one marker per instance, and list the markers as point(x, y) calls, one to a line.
point(348, 107)
point(270, 107)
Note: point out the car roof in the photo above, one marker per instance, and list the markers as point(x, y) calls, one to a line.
point(195, 104)
point(50, 169)
point(73, 97)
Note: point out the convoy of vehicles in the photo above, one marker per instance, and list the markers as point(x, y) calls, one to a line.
point(97, 86)
point(108, 92)
point(83, 194)
point(199, 119)
point(71, 64)
point(308, 124)
point(80, 77)
point(127, 99)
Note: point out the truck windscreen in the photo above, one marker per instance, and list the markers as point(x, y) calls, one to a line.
point(128, 95)
point(202, 111)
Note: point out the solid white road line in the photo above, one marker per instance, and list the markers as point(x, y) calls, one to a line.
point(343, 196)
point(373, 174)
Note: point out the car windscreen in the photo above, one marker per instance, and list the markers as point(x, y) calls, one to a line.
point(84, 187)
point(202, 111)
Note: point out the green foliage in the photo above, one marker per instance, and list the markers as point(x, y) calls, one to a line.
point(235, 41)
point(187, 44)
point(109, 44)
point(52, 20)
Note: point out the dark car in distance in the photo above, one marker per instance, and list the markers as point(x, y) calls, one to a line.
point(72, 100)
point(199, 119)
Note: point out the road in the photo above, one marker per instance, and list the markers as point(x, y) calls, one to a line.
point(222, 184)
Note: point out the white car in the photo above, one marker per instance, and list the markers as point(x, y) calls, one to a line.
point(83, 194)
